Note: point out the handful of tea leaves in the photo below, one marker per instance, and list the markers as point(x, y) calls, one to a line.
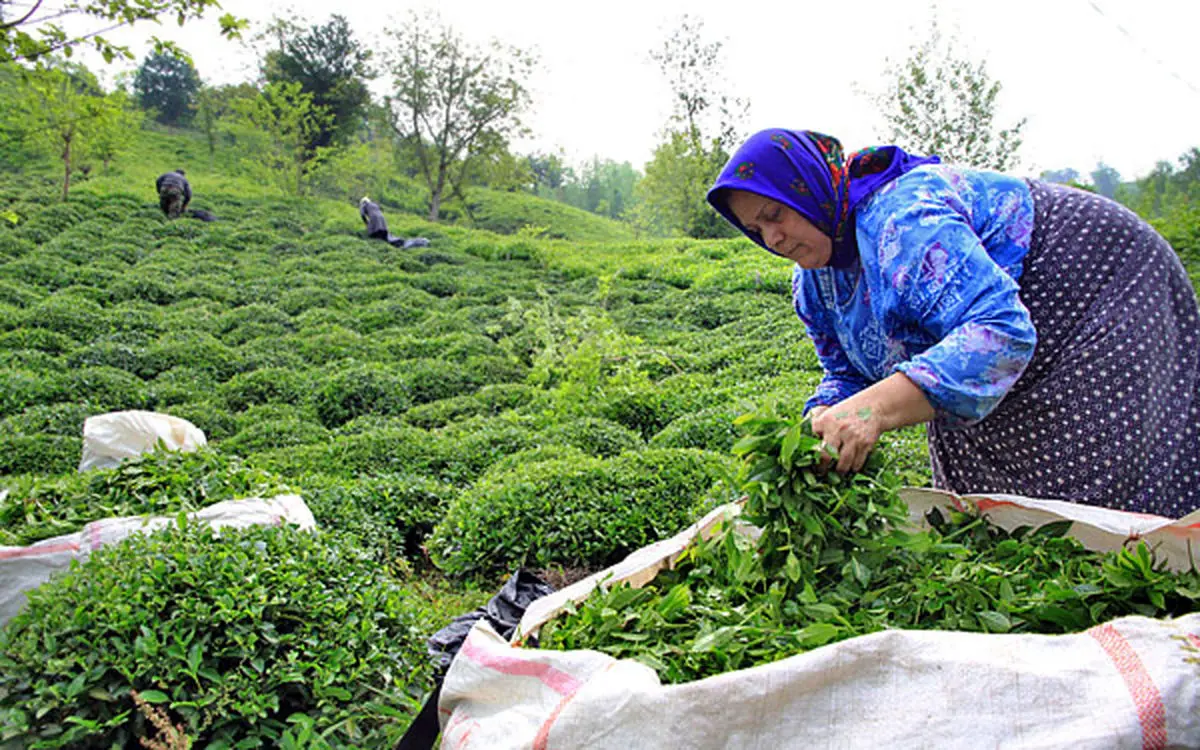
point(833, 561)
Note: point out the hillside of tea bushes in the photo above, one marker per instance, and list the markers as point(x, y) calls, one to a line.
point(555, 397)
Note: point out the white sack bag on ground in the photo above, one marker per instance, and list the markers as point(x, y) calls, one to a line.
point(109, 439)
point(1130, 683)
point(25, 568)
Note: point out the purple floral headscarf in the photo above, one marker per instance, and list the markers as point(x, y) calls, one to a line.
point(804, 170)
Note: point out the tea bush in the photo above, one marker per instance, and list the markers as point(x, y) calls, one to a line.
point(159, 482)
point(108, 354)
point(362, 389)
point(587, 513)
point(195, 349)
point(710, 429)
point(105, 389)
point(389, 514)
point(489, 400)
point(274, 433)
point(71, 315)
point(39, 454)
point(56, 419)
point(264, 386)
point(593, 436)
point(181, 385)
point(211, 416)
point(36, 338)
point(21, 388)
point(275, 623)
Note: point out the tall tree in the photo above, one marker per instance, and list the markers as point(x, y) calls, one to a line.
point(940, 102)
point(275, 129)
point(168, 85)
point(453, 101)
point(1062, 176)
point(28, 32)
point(112, 133)
point(1105, 180)
point(330, 65)
point(702, 132)
point(60, 109)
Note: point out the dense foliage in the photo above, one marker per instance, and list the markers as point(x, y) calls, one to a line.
point(234, 632)
point(833, 560)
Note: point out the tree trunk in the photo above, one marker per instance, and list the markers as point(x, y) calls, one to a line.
point(435, 204)
point(66, 166)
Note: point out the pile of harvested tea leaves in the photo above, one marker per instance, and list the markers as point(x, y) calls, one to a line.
point(834, 561)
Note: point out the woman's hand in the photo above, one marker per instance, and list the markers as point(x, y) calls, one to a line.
point(851, 432)
point(853, 426)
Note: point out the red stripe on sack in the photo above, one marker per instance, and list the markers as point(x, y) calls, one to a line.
point(12, 554)
point(1146, 698)
point(983, 504)
point(1194, 640)
point(555, 679)
point(542, 739)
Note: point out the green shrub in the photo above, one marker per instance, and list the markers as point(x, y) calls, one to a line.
point(594, 436)
point(54, 419)
point(196, 349)
point(17, 293)
point(252, 321)
point(398, 450)
point(276, 622)
point(433, 379)
point(156, 483)
point(142, 287)
point(362, 389)
point(268, 385)
point(40, 339)
point(266, 353)
point(46, 272)
point(390, 515)
point(108, 354)
point(105, 389)
point(14, 247)
point(329, 343)
point(437, 283)
point(587, 513)
point(540, 455)
point(275, 433)
point(295, 301)
point(39, 454)
point(212, 417)
point(494, 369)
point(71, 315)
point(489, 400)
point(181, 385)
point(708, 429)
point(403, 306)
point(647, 408)
point(21, 388)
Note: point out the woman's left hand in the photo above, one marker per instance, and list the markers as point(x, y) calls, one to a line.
point(851, 431)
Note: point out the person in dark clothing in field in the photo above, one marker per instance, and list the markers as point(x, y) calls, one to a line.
point(377, 228)
point(174, 193)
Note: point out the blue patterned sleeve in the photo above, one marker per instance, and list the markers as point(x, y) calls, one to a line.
point(841, 380)
point(937, 277)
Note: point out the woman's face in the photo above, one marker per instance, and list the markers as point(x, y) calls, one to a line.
point(783, 230)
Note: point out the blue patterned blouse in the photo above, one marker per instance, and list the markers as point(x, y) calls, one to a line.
point(934, 294)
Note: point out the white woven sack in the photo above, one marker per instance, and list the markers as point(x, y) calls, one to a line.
point(1131, 683)
point(25, 568)
point(109, 439)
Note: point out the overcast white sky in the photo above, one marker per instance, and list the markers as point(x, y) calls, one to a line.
point(1111, 80)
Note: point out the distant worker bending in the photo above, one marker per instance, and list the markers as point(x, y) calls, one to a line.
point(174, 193)
point(377, 228)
